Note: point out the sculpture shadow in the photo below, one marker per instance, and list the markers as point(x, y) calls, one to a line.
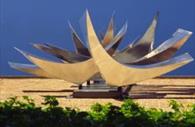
point(162, 92)
point(137, 92)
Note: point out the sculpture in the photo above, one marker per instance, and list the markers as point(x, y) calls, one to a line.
point(102, 60)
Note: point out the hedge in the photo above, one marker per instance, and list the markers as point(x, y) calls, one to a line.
point(15, 113)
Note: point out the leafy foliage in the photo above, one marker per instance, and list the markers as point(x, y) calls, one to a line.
point(15, 113)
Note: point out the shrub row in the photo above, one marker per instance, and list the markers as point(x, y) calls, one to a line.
point(15, 113)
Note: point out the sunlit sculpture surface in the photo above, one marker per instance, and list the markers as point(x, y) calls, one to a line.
point(102, 59)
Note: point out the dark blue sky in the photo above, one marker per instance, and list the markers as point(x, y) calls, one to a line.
point(23, 22)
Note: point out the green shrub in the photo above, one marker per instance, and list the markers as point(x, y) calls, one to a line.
point(15, 113)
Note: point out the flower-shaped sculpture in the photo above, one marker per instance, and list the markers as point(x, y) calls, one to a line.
point(102, 60)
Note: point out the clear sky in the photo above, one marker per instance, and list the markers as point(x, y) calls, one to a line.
point(23, 22)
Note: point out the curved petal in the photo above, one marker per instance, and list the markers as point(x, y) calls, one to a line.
point(79, 45)
point(65, 55)
point(28, 68)
point(149, 36)
point(143, 44)
point(72, 72)
point(118, 37)
point(108, 67)
point(109, 35)
point(167, 49)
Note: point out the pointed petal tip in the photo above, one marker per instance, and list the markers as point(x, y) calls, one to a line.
point(70, 26)
point(156, 16)
point(86, 12)
point(188, 57)
point(73, 32)
point(24, 53)
point(184, 58)
point(184, 31)
point(36, 45)
point(19, 50)
point(11, 64)
point(126, 24)
point(112, 17)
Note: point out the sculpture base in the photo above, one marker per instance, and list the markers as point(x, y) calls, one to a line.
point(97, 90)
point(100, 90)
point(96, 94)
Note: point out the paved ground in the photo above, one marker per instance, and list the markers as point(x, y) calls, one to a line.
point(151, 93)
